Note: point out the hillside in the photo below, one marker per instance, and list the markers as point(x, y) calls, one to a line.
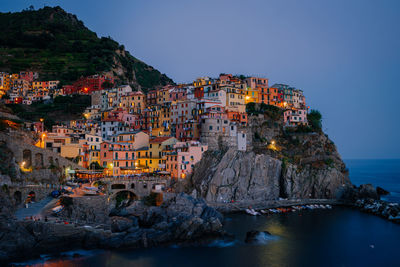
point(59, 46)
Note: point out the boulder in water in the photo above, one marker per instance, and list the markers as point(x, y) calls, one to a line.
point(120, 224)
point(381, 191)
point(367, 191)
point(254, 237)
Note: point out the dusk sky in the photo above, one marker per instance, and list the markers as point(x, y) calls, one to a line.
point(344, 54)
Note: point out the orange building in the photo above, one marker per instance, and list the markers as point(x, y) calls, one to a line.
point(239, 117)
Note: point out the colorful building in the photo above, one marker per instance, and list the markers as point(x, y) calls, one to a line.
point(181, 161)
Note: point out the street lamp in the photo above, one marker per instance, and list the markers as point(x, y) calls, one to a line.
point(112, 167)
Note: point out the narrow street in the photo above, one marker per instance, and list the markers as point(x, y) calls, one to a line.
point(34, 209)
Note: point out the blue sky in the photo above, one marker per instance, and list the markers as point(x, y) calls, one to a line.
point(344, 54)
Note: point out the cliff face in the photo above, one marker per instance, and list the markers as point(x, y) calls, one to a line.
point(300, 165)
point(238, 176)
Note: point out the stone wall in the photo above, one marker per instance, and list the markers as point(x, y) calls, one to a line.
point(35, 157)
point(19, 193)
point(140, 187)
point(88, 209)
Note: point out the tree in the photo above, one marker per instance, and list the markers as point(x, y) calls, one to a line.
point(315, 120)
point(251, 107)
point(95, 166)
point(107, 85)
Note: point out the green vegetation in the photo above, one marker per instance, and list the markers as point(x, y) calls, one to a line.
point(329, 162)
point(63, 108)
point(315, 120)
point(60, 47)
point(150, 200)
point(273, 112)
point(95, 166)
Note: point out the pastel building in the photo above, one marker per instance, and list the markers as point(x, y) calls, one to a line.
point(135, 102)
point(292, 117)
point(181, 161)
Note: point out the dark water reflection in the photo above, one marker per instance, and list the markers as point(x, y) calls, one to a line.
point(338, 237)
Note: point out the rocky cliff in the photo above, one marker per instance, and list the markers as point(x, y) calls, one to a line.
point(279, 163)
point(180, 220)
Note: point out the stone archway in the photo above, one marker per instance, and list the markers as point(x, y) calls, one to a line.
point(124, 198)
point(27, 158)
point(56, 163)
point(132, 185)
point(17, 197)
point(51, 161)
point(118, 186)
point(39, 160)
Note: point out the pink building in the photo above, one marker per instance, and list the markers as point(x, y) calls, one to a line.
point(292, 117)
point(254, 82)
point(181, 161)
point(177, 94)
point(133, 120)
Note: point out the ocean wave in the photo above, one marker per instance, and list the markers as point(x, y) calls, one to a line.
point(222, 243)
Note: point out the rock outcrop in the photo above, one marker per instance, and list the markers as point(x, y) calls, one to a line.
point(299, 165)
point(238, 176)
point(182, 219)
point(390, 211)
point(257, 237)
point(247, 176)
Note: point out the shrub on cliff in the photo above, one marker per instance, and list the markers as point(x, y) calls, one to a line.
point(315, 120)
point(251, 108)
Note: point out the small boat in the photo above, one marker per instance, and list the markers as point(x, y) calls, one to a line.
point(90, 192)
point(90, 188)
point(57, 209)
point(252, 212)
point(329, 206)
point(264, 211)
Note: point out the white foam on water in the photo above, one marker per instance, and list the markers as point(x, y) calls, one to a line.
point(222, 244)
point(263, 238)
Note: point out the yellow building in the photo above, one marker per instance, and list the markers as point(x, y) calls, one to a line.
point(7, 80)
point(165, 121)
point(134, 102)
point(235, 99)
point(251, 95)
point(202, 81)
point(94, 156)
point(163, 95)
point(158, 149)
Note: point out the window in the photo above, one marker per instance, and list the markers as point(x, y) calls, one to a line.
point(211, 128)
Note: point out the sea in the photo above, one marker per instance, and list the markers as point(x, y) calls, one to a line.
point(337, 237)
